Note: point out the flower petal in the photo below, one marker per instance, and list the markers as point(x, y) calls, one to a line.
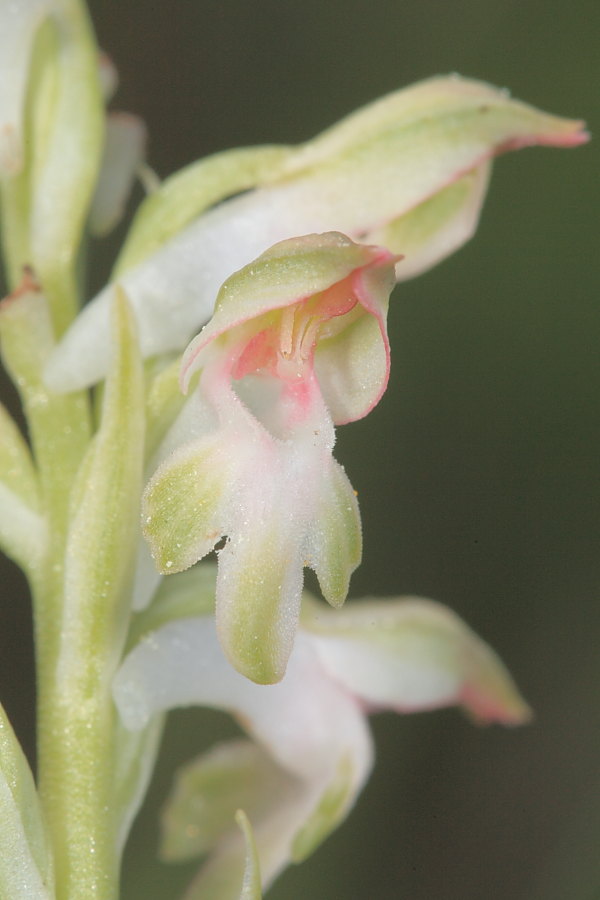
point(289, 271)
point(335, 539)
point(433, 230)
point(207, 792)
point(182, 512)
point(413, 654)
point(124, 149)
point(353, 366)
point(258, 598)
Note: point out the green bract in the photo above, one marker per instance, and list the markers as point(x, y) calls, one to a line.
point(26, 866)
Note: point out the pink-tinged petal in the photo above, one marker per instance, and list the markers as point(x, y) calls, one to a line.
point(353, 365)
point(290, 272)
point(414, 654)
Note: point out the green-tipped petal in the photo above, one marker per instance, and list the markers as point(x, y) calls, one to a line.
point(414, 654)
point(258, 600)
point(336, 540)
point(26, 866)
point(181, 510)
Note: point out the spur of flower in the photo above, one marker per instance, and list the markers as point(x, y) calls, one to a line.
point(309, 748)
point(297, 344)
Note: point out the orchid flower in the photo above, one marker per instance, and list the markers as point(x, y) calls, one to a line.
point(297, 344)
point(408, 172)
point(310, 750)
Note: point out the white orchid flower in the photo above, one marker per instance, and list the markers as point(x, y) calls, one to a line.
point(310, 749)
point(408, 172)
point(298, 343)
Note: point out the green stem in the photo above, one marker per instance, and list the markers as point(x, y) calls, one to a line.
point(75, 641)
point(78, 731)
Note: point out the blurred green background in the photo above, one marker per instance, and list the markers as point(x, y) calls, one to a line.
point(478, 474)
